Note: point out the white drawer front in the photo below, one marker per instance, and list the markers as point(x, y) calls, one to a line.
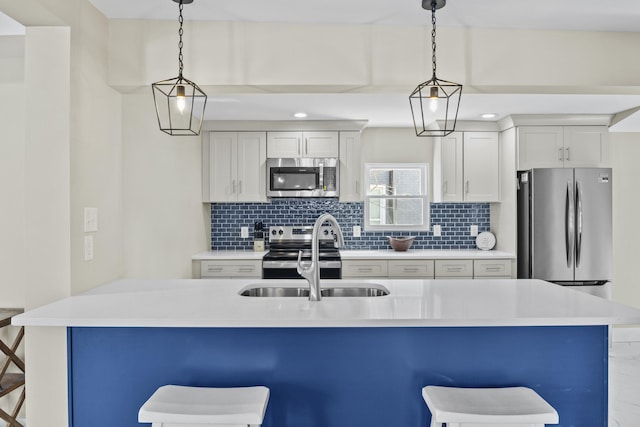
point(415, 268)
point(364, 268)
point(248, 268)
point(454, 268)
point(492, 268)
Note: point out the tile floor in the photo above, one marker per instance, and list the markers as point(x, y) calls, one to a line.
point(624, 384)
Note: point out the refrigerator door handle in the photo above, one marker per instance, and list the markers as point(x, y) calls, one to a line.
point(569, 218)
point(579, 222)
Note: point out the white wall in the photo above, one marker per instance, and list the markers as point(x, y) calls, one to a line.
point(47, 211)
point(164, 217)
point(625, 152)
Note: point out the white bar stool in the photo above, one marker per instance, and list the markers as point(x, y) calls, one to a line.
point(181, 406)
point(483, 407)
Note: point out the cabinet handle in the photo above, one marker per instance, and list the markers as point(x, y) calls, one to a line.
point(454, 269)
point(239, 186)
point(214, 269)
point(365, 269)
point(306, 146)
point(410, 269)
point(299, 147)
point(233, 186)
point(493, 268)
point(567, 150)
point(466, 188)
point(357, 187)
point(560, 157)
point(444, 188)
point(245, 270)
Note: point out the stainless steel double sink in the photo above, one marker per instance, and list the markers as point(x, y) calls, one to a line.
point(365, 290)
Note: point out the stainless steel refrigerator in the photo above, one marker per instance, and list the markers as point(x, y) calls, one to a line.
point(564, 225)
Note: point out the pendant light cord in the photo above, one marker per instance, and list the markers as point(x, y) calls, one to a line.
point(180, 20)
point(433, 37)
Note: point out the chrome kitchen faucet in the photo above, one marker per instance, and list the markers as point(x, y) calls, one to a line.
point(312, 271)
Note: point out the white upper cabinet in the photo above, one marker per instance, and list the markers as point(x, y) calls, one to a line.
point(234, 167)
point(562, 146)
point(302, 144)
point(468, 167)
point(350, 167)
point(481, 159)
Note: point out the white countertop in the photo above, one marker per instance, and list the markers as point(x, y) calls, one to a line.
point(416, 303)
point(368, 254)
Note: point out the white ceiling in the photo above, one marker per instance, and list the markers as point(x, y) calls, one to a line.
point(392, 109)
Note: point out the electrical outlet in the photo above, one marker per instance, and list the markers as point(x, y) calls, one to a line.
point(244, 232)
point(88, 248)
point(90, 219)
point(437, 231)
point(473, 230)
point(356, 231)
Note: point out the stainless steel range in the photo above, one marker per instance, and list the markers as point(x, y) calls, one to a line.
point(285, 242)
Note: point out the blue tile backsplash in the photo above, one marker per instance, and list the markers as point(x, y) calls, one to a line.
point(454, 218)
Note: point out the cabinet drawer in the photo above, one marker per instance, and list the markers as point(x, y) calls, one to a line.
point(239, 268)
point(422, 268)
point(364, 268)
point(492, 268)
point(462, 268)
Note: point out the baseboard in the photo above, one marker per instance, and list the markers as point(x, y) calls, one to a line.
point(625, 334)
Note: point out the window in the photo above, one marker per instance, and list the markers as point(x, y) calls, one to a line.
point(396, 197)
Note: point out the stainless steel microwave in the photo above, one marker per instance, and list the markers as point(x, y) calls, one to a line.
point(303, 177)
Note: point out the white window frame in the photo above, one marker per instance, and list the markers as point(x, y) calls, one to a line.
point(424, 195)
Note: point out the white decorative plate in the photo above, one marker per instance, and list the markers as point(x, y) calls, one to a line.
point(485, 241)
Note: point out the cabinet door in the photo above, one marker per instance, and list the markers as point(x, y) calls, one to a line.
point(364, 268)
point(452, 167)
point(320, 144)
point(481, 167)
point(251, 166)
point(350, 167)
point(222, 166)
point(412, 268)
point(457, 268)
point(492, 268)
point(284, 144)
point(540, 147)
point(230, 268)
point(586, 146)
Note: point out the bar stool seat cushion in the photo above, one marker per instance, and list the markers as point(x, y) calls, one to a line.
point(205, 405)
point(515, 405)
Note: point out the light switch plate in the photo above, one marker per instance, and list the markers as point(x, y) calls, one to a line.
point(356, 231)
point(244, 232)
point(90, 220)
point(88, 248)
point(437, 231)
point(473, 230)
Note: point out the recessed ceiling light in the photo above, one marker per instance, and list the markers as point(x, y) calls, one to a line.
point(300, 115)
point(489, 115)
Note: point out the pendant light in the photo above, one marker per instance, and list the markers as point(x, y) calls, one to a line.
point(435, 99)
point(180, 103)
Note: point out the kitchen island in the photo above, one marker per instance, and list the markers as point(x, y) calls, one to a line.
point(342, 361)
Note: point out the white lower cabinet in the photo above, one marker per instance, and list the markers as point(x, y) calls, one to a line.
point(230, 268)
point(454, 269)
point(423, 269)
point(364, 268)
point(492, 269)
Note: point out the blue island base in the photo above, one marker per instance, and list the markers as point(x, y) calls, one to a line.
point(337, 377)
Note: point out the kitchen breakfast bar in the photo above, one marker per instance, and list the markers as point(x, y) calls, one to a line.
point(345, 361)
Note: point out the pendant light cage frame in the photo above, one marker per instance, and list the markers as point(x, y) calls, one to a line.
point(179, 102)
point(443, 93)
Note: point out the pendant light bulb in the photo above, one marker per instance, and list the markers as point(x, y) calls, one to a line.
point(433, 99)
point(181, 101)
